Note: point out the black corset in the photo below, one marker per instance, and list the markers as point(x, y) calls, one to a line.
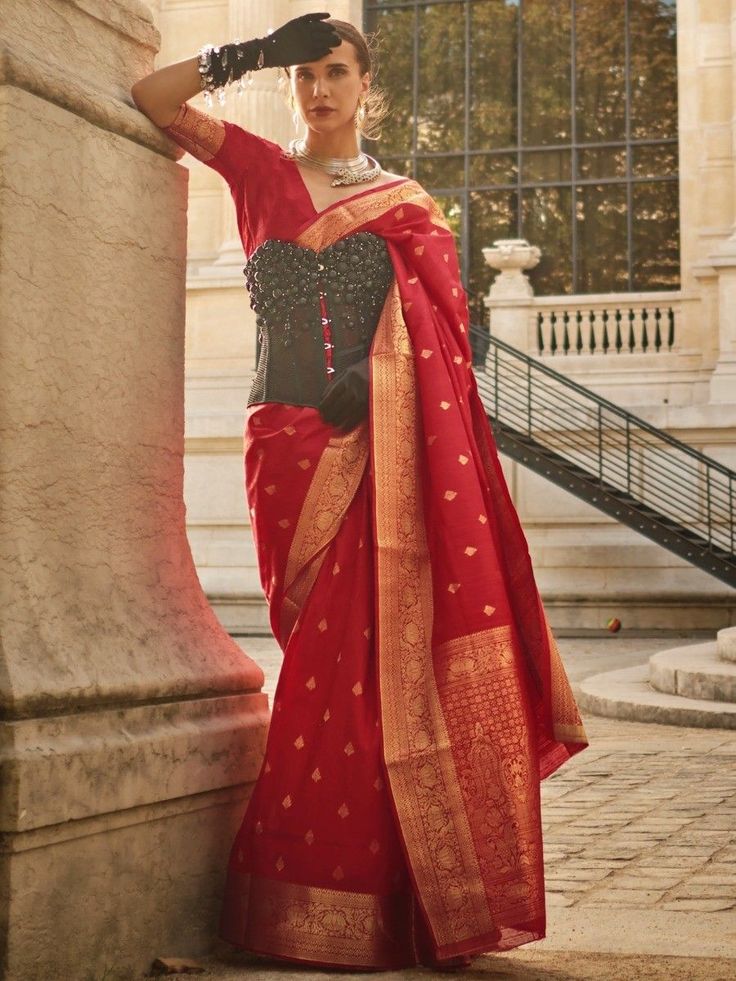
point(285, 281)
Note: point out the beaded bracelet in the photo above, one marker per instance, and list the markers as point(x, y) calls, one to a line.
point(215, 73)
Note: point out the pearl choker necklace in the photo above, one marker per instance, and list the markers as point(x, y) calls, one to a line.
point(345, 170)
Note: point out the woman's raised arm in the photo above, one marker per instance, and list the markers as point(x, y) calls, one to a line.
point(305, 38)
point(160, 94)
point(229, 149)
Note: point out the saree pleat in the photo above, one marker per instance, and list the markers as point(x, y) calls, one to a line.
point(317, 871)
point(422, 697)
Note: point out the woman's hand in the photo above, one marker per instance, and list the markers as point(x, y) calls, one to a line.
point(344, 402)
point(303, 38)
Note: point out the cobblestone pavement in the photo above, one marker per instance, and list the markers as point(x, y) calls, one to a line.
point(644, 818)
point(639, 842)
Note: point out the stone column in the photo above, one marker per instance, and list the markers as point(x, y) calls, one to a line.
point(133, 726)
point(723, 379)
point(260, 107)
point(509, 295)
point(718, 47)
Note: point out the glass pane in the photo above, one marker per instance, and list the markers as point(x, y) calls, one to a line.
point(601, 161)
point(656, 228)
point(546, 222)
point(493, 73)
point(396, 39)
point(659, 160)
point(493, 168)
point(441, 171)
point(441, 82)
point(397, 165)
point(493, 215)
point(600, 70)
point(546, 165)
point(546, 91)
point(452, 208)
point(653, 43)
point(602, 243)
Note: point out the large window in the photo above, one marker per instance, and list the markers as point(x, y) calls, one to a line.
point(550, 120)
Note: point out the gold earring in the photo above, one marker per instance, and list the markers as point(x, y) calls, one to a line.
point(360, 114)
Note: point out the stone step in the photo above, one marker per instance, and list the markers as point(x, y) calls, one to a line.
point(694, 671)
point(243, 614)
point(726, 641)
point(627, 694)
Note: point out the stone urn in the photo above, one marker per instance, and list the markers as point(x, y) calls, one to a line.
point(512, 256)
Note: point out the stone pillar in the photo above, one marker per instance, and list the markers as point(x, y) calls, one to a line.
point(133, 726)
point(509, 295)
point(717, 46)
point(723, 379)
point(260, 107)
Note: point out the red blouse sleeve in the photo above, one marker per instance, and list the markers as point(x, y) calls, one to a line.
point(226, 147)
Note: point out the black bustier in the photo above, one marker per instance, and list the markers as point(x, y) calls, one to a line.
point(285, 282)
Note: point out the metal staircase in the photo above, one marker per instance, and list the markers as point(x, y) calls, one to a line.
point(622, 465)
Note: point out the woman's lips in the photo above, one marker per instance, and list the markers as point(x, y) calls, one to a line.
point(321, 111)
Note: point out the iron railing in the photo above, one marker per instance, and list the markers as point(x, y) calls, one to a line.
point(660, 486)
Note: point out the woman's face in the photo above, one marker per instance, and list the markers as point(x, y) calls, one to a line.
point(333, 82)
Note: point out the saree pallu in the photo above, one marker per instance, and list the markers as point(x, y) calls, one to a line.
point(422, 697)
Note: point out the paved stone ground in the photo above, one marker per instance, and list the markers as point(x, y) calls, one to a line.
point(522, 965)
point(640, 848)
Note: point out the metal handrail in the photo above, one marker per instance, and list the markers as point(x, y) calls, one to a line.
point(684, 497)
point(536, 365)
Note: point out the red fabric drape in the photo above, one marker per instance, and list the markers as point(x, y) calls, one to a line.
point(416, 646)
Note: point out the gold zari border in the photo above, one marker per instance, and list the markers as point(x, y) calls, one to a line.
point(417, 752)
point(345, 218)
point(332, 488)
point(567, 725)
point(331, 926)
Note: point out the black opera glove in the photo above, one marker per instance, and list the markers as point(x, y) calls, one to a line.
point(344, 402)
point(301, 39)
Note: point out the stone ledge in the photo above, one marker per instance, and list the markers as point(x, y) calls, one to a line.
point(627, 694)
point(242, 614)
point(674, 614)
point(695, 671)
point(73, 767)
point(726, 641)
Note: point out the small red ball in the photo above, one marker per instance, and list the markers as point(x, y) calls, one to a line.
point(614, 625)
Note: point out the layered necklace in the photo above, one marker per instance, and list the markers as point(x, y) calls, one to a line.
point(345, 170)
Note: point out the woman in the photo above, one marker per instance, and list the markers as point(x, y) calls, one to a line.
point(396, 817)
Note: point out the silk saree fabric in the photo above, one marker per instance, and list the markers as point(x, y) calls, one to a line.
point(422, 698)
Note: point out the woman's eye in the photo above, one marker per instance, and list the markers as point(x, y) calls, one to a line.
point(337, 71)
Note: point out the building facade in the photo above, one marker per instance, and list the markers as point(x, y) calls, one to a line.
point(600, 131)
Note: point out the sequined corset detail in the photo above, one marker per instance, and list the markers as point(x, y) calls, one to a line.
point(286, 282)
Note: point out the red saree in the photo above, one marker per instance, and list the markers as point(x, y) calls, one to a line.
point(396, 818)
